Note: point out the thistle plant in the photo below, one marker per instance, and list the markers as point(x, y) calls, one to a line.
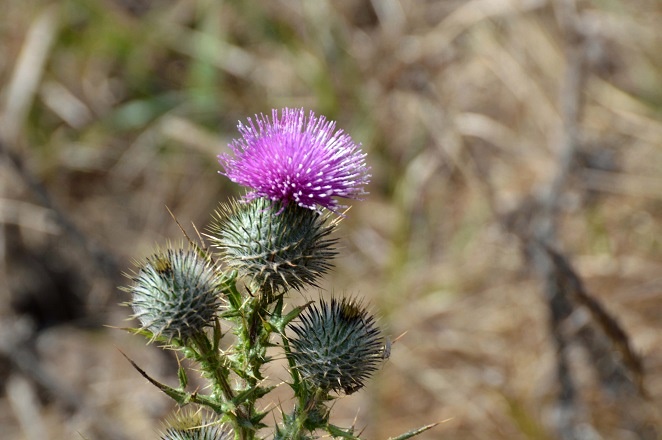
point(225, 306)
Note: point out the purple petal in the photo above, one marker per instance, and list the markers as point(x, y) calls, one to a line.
point(297, 159)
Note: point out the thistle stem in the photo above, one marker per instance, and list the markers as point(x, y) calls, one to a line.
point(294, 372)
point(212, 365)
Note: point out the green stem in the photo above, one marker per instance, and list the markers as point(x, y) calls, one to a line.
point(256, 338)
point(300, 421)
point(294, 372)
point(212, 365)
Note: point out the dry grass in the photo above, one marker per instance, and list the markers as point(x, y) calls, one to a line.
point(471, 114)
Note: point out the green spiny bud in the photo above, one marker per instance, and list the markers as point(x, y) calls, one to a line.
point(337, 346)
point(175, 294)
point(278, 247)
point(195, 426)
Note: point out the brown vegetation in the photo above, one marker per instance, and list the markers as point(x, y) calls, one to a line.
point(512, 236)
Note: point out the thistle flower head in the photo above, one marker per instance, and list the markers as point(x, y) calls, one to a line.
point(296, 159)
point(175, 294)
point(195, 426)
point(277, 247)
point(337, 345)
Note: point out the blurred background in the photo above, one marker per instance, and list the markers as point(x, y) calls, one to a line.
point(512, 236)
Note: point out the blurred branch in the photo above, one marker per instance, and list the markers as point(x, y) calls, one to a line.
point(571, 100)
point(544, 223)
point(619, 376)
point(619, 369)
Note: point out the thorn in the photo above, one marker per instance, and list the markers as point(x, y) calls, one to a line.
point(398, 338)
point(179, 225)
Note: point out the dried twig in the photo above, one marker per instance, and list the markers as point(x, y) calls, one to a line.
point(610, 354)
point(543, 221)
point(624, 375)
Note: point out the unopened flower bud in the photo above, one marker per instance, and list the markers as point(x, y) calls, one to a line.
point(337, 345)
point(175, 294)
point(195, 426)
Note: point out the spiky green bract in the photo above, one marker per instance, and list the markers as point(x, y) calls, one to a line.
point(277, 247)
point(195, 426)
point(176, 294)
point(337, 345)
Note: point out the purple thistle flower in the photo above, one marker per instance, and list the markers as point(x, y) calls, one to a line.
point(297, 159)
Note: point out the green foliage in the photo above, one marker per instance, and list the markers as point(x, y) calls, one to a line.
point(335, 348)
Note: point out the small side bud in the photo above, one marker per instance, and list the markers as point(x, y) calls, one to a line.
point(278, 247)
point(195, 426)
point(337, 345)
point(175, 294)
